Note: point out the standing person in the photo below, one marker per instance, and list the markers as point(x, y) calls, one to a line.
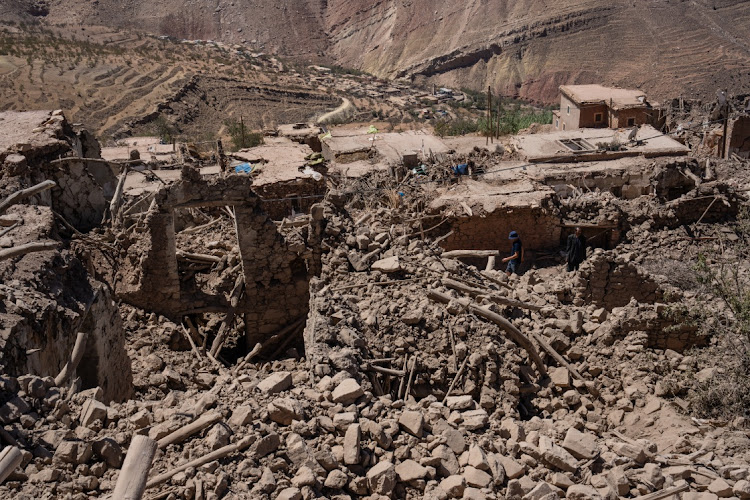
point(576, 249)
point(516, 250)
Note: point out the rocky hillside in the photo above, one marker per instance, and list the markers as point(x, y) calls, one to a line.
point(523, 49)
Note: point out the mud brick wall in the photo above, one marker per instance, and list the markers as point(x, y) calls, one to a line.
point(608, 281)
point(275, 270)
point(280, 199)
point(539, 229)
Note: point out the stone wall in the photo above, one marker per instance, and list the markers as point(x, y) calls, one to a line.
point(610, 281)
point(539, 229)
point(276, 270)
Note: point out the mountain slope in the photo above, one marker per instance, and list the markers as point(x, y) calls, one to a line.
point(525, 49)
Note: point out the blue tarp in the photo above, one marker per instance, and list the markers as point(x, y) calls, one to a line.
point(244, 168)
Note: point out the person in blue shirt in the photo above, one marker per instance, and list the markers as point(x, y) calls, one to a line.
point(516, 250)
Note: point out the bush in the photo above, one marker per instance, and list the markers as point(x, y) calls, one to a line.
point(725, 275)
point(241, 136)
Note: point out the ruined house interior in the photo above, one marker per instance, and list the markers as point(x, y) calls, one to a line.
point(263, 325)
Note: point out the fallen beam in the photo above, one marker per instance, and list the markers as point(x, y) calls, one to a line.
point(512, 332)
point(216, 455)
point(75, 357)
point(37, 246)
point(557, 356)
point(131, 483)
point(25, 193)
point(10, 458)
point(665, 493)
point(474, 291)
point(455, 254)
point(188, 430)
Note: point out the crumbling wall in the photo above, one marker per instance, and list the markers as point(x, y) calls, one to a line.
point(738, 132)
point(538, 227)
point(608, 280)
point(42, 298)
point(281, 199)
point(276, 271)
point(83, 189)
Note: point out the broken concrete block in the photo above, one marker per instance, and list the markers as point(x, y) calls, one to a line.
point(542, 490)
point(242, 415)
point(285, 410)
point(632, 451)
point(560, 377)
point(556, 456)
point(409, 470)
point(381, 479)
point(720, 488)
point(513, 469)
point(477, 458)
point(347, 391)
point(459, 403)
point(453, 486)
point(351, 444)
point(276, 382)
point(304, 477)
point(388, 265)
point(475, 419)
point(582, 492)
point(93, 410)
point(109, 451)
point(412, 422)
point(581, 445)
point(336, 479)
point(477, 478)
point(741, 489)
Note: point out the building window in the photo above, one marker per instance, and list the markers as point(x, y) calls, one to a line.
point(563, 126)
point(557, 123)
point(598, 117)
point(631, 122)
point(568, 109)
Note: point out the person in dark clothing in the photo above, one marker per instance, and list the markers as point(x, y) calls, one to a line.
point(576, 250)
point(516, 250)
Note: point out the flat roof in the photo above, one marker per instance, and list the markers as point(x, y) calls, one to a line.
point(614, 97)
point(26, 127)
point(280, 159)
point(392, 146)
point(552, 146)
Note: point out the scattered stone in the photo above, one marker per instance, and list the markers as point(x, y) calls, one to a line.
point(275, 383)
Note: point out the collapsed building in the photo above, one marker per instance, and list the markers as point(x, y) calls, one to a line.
point(279, 334)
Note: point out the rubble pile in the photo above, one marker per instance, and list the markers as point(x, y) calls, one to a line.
point(415, 372)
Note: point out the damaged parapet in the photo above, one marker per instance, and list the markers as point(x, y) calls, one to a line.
point(276, 270)
point(41, 145)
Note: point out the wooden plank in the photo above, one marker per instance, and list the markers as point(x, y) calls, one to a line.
point(25, 193)
point(131, 483)
point(455, 254)
point(557, 356)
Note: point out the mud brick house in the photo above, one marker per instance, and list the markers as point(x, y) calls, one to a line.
point(595, 106)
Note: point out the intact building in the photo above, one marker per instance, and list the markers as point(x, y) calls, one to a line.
point(595, 106)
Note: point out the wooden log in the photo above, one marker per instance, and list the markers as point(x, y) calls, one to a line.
point(456, 254)
point(403, 378)
point(296, 332)
point(557, 356)
point(188, 430)
point(199, 257)
point(10, 458)
point(467, 209)
point(490, 263)
point(216, 455)
point(196, 229)
point(192, 342)
point(114, 205)
point(254, 352)
point(473, 291)
point(37, 246)
point(9, 229)
point(75, 357)
point(411, 376)
point(665, 493)
point(383, 370)
point(131, 483)
point(455, 379)
point(237, 291)
point(512, 332)
point(25, 193)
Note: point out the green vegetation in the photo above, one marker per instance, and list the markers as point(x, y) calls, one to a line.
point(510, 120)
point(725, 274)
point(241, 136)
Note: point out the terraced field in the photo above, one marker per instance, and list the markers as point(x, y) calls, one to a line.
point(108, 80)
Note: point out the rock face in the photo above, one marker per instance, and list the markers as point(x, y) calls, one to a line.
point(415, 38)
